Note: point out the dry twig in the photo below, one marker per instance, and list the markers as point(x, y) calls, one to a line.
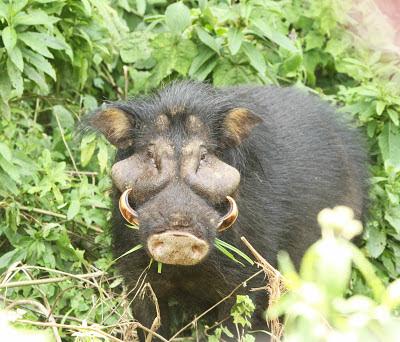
point(47, 280)
point(243, 283)
point(157, 320)
point(275, 289)
point(42, 309)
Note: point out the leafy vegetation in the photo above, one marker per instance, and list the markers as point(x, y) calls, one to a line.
point(60, 59)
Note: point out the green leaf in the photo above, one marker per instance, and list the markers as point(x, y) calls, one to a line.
point(291, 65)
point(8, 185)
point(186, 51)
point(36, 77)
point(376, 242)
point(18, 5)
point(207, 39)
point(10, 169)
point(392, 216)
point(164, 46)
point(224, 251)
point(235, 250)
point(389, 144)
point(394, 116)
point(5, 152)
point(87, 8)
point(141, 7)
point(40, 63)
point(226, 73)
point(380, 107)
point(35, 17)
point(314, 40)
point(10, 257)
point(133, 249)
point(177, 17)
point(89, 102)
point(73, 209)
point(64, 115)
point(102, 156)
point(204, 55)
point(274, 36)
point(205, 70)
point(136, 47)
point(242, 310)
point(257, 60)
point(3, 10)
point(235, 38)
point(5, 87)
point(88, 145)
point(15, 77)
point(9, 36)
point(36, 42)
point(16, 56)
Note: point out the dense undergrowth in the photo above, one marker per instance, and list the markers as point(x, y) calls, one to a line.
point(60, 59)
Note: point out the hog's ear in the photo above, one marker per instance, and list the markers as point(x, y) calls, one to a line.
point(238, 124)
point(115, 124)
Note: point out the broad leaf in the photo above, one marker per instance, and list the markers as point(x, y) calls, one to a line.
point(9, 36)
point(207, 39)
point(36, 77)
point(235, 38)
point(73, 209)
point(274, 35)
point(177, 17)
point(389, 143)
point(35, 17)
point(35, 41)
point(16, 56)
point(256, 58)
point(40, 63)
point(15, 77)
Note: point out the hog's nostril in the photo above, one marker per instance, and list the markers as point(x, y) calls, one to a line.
point(158, 244)
point(197, 250)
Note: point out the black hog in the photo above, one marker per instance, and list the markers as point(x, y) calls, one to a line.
point(189, 153)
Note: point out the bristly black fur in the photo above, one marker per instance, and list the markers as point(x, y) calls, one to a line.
point(301, 159)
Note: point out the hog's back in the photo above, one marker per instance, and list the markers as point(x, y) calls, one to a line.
point(303, 158)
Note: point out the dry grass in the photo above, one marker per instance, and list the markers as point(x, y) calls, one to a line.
point(125, 329)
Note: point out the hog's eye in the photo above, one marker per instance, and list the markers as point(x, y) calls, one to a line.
point(151, 155)
point(203, 154)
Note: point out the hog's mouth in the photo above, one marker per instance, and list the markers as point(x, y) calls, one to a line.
point(177, 247)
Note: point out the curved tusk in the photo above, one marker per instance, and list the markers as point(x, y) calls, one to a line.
point(126, 210)
point(230, 218)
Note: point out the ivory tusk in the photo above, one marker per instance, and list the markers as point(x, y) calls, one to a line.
point(129, 214)
point(231, 216)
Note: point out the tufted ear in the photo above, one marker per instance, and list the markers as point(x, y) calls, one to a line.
point(115, 124)
point(238, 124)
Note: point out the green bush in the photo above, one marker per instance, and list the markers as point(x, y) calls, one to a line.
point(60, 59)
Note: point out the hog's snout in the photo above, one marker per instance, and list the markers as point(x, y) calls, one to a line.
point(177, 248)
point(179, 220)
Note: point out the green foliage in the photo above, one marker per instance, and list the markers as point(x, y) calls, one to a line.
point(241, 313)
point(59, 59)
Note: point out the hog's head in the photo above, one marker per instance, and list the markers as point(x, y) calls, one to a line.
point(169, 170)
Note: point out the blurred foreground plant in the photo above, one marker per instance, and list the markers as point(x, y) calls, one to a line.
point(316, 307)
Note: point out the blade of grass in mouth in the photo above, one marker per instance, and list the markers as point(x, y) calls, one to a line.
point(226, 246)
